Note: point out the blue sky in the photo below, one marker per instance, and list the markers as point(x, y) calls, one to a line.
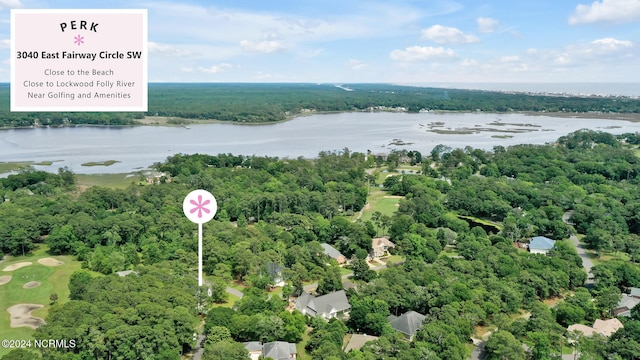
point(398, 41)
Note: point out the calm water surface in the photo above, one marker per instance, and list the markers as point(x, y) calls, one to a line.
point(138, 147)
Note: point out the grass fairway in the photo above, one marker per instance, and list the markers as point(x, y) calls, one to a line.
point(115, 181)
point(379, 200)
point(52, 279)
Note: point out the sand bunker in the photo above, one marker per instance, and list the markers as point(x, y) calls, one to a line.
point(5, 279)
point(31, 285)
point(20, 315)
point(50, 262)
point(17, 266)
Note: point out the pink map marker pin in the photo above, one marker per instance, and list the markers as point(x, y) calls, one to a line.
point(199, 206)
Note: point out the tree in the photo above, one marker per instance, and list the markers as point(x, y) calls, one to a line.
point(78, 284)
point(330, 281)
point(218, 333)
point(219, 293)
point(361, 270)
point(20, 354)
point(368, 315)
point(61, 239)
point(53, 297)
point(606, 299)
point(502, 345)
point(225, 350)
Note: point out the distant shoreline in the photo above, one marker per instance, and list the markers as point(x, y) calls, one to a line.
point(165, 120)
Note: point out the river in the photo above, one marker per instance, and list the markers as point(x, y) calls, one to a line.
point(136, 148)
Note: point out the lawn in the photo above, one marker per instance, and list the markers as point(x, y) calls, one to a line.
point(231, 300)
point(119, 181)
point(379, 200)
point(52, 279)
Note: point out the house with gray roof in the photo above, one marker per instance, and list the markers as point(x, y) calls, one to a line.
point(407, 323)
point(328, 306)
point(333, 253)
point(254, 348)
point(276, 350)
point(625, 305)
point(279, 350)
point(635, 292)
point(541, 245)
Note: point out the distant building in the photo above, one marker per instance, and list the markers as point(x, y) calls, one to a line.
point(625, 305)
point(408, 323)
point(276, 350)
point(541, 245)
point(327, 306)
point(275, 273)
point(380, 247)
point(254, 348)
point(126, 272)
point(635, 292)
point(605, 328)
point(333, 253)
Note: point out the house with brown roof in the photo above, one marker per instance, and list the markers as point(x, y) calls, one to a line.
point(605, 328)
point(380, 247)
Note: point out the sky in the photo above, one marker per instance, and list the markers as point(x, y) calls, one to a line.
point(357, 41)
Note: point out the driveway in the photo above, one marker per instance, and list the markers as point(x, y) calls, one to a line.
point(587, 263)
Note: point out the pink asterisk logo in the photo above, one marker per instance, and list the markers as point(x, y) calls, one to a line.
point(199, 206)
point(78, 40)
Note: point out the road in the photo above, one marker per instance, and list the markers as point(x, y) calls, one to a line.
point(587, 263)
point(586, 259)
point(199, 348)
point(234, 292)
point(313, 286)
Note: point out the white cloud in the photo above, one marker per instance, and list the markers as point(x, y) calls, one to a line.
point(232, 25)
point(215, 69)
point(469, 63)
point(5, 43)
point(419, 53)
point(166, 50)
point(611, 11)
point(510, 59)
point(447, 35)
point(486, 25)
point(611, 44)
point(186, 69)
point(357, 65)
point(10, 4)
point(265, 46)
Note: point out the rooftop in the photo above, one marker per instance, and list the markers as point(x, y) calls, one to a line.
point(541, 243)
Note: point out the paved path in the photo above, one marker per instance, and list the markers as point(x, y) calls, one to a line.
point(199, 348)
point(313, 286)
point(229, 289)
point(586, 259)
point(235, 292)
point(587, 263)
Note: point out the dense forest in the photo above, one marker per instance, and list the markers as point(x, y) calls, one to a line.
point(463, 278)
point(253, 103)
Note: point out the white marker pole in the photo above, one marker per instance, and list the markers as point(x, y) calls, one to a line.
point(199, 206)
point(199, 254)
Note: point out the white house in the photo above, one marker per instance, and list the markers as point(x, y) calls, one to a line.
point(541, 245)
